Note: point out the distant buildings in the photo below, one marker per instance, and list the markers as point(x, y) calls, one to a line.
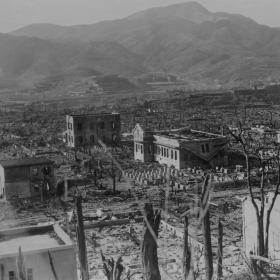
point(26, 178)
point(47, 250)
point(89, 129)
point(266, 133)
point(180, 148)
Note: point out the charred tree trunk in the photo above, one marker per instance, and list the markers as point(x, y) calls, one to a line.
point(113, 175)
point(112, 269)
point(208, 256)
point(268, 214)
point(220, 251)
point(260, 236)
point(95, 176)
point(187, 251)
point(114, 182)
point(81, 240)
point(149, 243)
point(207, 246)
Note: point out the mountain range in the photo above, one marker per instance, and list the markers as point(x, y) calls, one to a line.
point(182, 39)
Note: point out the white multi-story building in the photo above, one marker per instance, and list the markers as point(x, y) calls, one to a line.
point(180, 148)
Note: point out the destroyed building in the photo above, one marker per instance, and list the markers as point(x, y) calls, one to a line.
point(266, 133)
point(89, 129)
point(26, 178)
point(181, 148)
point(47, 253)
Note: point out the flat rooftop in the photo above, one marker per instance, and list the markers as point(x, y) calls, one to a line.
point(25, 162)
point(92, 115)
point(28, 243)
point(189, 135)
point(30, 239)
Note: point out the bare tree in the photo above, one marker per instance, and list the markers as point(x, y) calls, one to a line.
point(260, 152)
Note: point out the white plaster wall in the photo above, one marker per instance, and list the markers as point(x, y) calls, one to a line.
point(250, 227)
point(168, 160)
point(64, 262)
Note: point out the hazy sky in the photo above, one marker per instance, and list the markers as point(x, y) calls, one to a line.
point(17, 13)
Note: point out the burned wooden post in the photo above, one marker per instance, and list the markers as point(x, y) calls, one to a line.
point(114, 182)
point(2, 271)
point(206, 230)
point(21, 266)
point(81, 240)
point(149, 243)
point(187, 251)
point(95, 176)
point(65, 189)
point(112, 269)
point(207, 246)
point(42, 192)
point(220, 251)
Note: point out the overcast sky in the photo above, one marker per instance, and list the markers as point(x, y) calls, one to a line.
point(17, 13)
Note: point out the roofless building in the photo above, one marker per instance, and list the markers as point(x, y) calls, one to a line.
point(181, 148)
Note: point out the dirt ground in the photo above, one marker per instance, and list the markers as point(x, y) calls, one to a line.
point(114, 241)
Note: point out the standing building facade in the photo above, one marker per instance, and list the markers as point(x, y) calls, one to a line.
point(26, 178)
point(180, 148)
point(48, 253)
point(89, 129)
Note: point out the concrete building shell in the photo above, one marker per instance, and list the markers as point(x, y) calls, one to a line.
point(26, 178)
point(38, 244)
point(89, 129)
point(181, 148)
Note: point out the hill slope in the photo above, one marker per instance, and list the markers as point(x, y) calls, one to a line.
point(184, 39)
point(33, 59)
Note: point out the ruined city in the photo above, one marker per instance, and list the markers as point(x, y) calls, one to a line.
point(145, 147)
